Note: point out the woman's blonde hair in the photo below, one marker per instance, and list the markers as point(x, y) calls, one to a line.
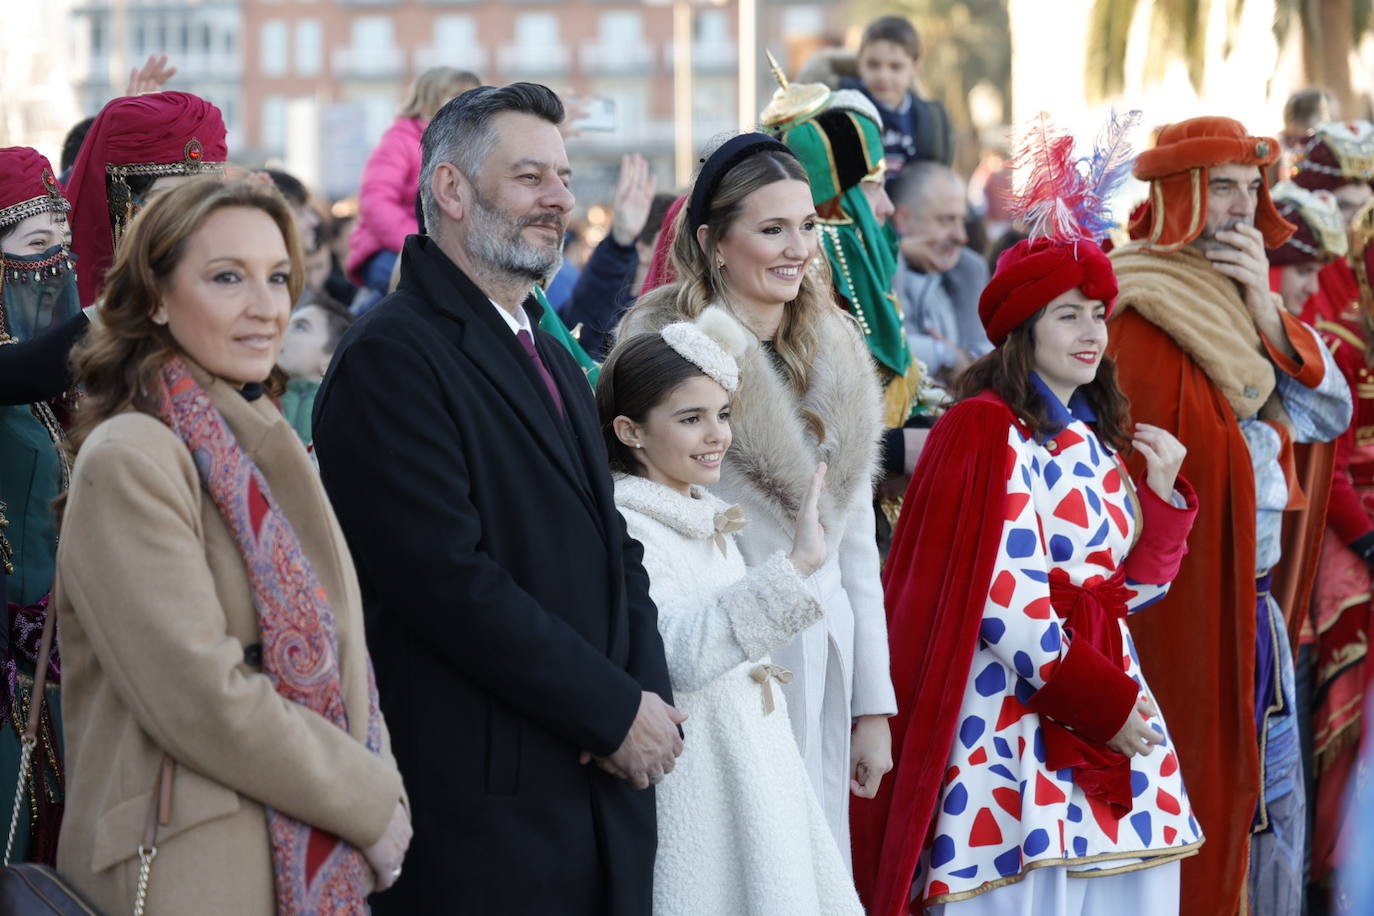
point(702, 283)
point(118, 360)
point(433, 88)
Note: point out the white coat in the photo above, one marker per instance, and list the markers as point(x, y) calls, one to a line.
point(740, 830)
point(840, 664)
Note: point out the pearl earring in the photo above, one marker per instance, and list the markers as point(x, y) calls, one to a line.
point(639, 445)
point(159, 319)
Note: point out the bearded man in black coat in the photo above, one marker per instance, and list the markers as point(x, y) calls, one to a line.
point(517, 652)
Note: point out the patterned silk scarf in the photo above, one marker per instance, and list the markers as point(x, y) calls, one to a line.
point(316, 873)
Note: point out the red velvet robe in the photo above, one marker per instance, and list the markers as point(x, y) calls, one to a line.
point(1197, 644)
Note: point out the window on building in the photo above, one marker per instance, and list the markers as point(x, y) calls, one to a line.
point(536, 30)
point(456, 35)
point(621, 29)
point(712, 27)
point(273, 137)
point(184, 38)
point(205, 37)
point(372, 34)
point(273, 51)
point(803, 21)
point(97, 35)
point(309, 47)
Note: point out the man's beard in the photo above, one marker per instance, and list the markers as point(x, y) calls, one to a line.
point(495, 238)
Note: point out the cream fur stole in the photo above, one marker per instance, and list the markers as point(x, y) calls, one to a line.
point(1180, 293)
point(774, 454)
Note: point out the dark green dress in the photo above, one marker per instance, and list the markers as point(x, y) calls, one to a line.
point(31, 477)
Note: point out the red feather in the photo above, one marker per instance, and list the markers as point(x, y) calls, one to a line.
point(1054, 187)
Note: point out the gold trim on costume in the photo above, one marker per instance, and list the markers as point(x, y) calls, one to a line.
point(32, 207)
point(830, 161)
point(868, 154)
point(1198, 213)
point(1173, 854)
point(1345, 606)
point(1341, 331)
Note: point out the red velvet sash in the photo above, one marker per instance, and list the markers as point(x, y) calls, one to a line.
point(1093, 613)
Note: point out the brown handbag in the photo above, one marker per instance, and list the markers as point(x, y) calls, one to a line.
point(28, 889)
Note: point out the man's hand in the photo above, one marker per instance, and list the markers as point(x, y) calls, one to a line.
point(870, 754)
point(650, 750)
point(1241, 257)
point(634, 196)
point(151, 77)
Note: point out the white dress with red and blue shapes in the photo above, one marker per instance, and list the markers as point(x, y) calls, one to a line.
point(1002, 812)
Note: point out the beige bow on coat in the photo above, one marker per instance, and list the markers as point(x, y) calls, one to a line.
point(728, 521)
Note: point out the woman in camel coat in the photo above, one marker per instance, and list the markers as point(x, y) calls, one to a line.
point(166, 637)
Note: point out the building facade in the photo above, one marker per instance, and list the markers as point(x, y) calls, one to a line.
point(202, 40)
point(310, 85)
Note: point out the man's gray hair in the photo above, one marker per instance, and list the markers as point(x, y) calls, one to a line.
point(908, 190)
point(461, 133)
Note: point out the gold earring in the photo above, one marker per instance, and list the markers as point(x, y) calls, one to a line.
point(720, 264)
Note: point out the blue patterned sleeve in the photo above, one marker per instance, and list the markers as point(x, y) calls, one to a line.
point(1318, 414)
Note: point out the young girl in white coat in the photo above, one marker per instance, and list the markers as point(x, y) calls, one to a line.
point(747, 241)
point(740, 829)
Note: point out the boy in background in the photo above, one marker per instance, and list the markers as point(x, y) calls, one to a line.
point(316, 326)
point(913, 128)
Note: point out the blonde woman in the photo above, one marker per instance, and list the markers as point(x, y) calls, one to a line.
point(209, 610)
point(391, 179)
point(747, 240)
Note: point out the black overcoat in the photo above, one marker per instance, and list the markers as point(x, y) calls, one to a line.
point(507, 610)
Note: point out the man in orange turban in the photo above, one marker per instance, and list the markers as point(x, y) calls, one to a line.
point(1207, 352)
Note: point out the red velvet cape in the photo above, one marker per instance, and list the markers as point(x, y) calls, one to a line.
point(935, 585)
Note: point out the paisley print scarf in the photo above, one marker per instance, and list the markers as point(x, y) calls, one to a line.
point(316, 873)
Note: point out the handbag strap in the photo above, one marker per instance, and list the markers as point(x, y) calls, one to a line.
point(159, 812)
point(159, 808)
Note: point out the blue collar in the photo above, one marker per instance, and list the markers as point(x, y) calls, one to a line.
point(1059, 415)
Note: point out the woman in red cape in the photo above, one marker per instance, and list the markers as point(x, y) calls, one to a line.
point(1027, 746)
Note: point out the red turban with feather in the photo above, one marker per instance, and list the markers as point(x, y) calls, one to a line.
point(1064, 201)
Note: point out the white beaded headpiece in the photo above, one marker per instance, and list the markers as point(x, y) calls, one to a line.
point(714, 343)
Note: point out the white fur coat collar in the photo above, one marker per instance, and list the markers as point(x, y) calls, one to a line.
point(774, 454)
point(691, 516)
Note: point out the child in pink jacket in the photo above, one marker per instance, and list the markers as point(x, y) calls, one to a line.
point(391, 179)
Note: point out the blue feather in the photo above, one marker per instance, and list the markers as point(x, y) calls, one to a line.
point(1107, 169)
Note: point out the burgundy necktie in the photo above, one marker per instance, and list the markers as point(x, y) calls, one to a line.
point(527, 342)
